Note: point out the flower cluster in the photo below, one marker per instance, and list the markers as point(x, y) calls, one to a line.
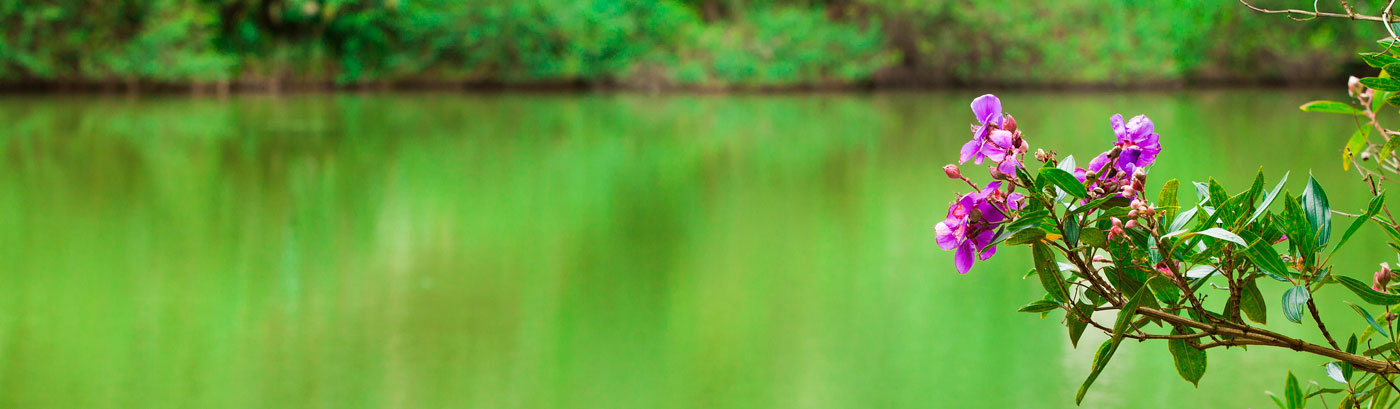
point(995, 138)
point(974, 219)
point(1122, 170)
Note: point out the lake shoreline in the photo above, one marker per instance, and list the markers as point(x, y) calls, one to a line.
point(264, 87)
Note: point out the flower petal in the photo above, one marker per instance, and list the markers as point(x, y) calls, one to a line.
point(1119, 129)
point(1099, 162)
point(987, 109)
point(962, 259)
point(990, 151)
point(1139, 128)
point(987, 253)
point(1001, 138)
point(947, 239)
point(969, 149)
point(1009, 165)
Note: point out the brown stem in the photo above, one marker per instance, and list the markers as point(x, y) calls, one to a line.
point(1320, 326)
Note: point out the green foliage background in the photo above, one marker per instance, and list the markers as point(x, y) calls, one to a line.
point(669, 42)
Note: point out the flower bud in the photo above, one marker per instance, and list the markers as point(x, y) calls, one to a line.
point(1117, 229)
point(1132, 224)
point(1009, 123)
point(1365, 156)
point(1132, 214)
point(1354, 86)
point(1382, 278)
point(996, 172)
point(952, 171)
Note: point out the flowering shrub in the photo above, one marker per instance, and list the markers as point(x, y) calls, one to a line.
point(1101, 243)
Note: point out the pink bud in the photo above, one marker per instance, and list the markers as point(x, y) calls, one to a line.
point(1382, 278)
point(996, 172)
point(1132, 224)
point(952, 171)
point(1009, 123)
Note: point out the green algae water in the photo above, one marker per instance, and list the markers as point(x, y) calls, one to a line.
point(582, 251)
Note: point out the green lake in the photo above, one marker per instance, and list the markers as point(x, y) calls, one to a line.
point(437, 250)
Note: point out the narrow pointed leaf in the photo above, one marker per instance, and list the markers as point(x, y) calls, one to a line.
point(1364, 291)
point(1040, 306)
point(1371, 210)
point(1268, 199)
point(1064, 180)
point(1223, 234)
point(1292, 393)
point(1369, 319)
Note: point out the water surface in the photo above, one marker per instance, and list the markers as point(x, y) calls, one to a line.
point(568, 251)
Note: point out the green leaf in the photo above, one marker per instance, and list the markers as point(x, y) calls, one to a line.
point(1252, 303)
point(1378, 60)
point(1392, 69)
point(1026, 236)
point(1300, 233)
point(1371, 211)
point(1165, 291)
point(1334, 107)
point(1093, 237)
point(1125, 315)
point(1318, 212)
point(1076, 326)
point(1040, 306)
point(1292, 393)
point(1223, 234)
point(1025, 176)
point(1103, 203)
point(1101, 357)
point(1379, 84)
point(1263, 255)
point(1386, 347)
point(1365, 292)
point(1390, 97)
point(1049, 272)
point(1354, 146)
point(1369, 319)
point(1293, 301)
point(1389, 148)
point(1167, 201)
point(1182, 219)
point(1064, 180)
point(1268, 199)
point(1216, 193)
point(1190, 362)
point(1106, 350)
point(1071, 233)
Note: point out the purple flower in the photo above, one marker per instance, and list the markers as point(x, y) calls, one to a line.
point(971, 224)
point(987, 109)
point(1122, 169)
point(1138, 145)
